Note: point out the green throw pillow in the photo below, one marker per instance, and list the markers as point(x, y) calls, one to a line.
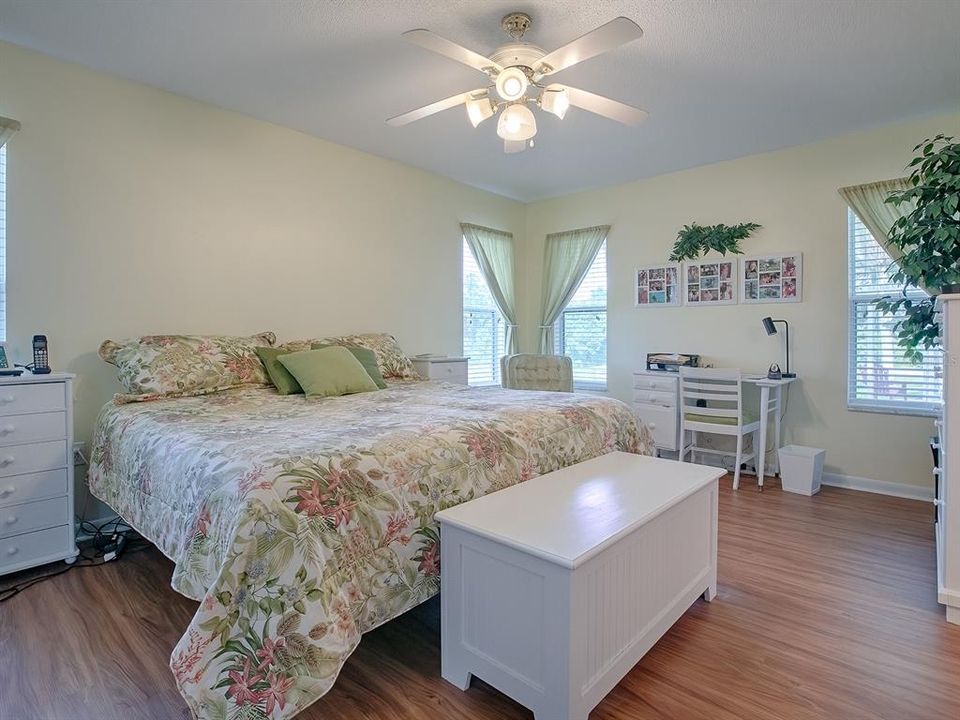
point(285, 382)
point(366, 357)
point(328, 372)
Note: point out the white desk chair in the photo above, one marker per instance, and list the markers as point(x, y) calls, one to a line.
point(711, 401)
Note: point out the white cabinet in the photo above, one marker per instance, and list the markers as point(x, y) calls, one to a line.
point(655, 402)
point(948, 488)
point(441, 367)
point(36, 471)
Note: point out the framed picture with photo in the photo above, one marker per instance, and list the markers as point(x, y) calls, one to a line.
point(772, 278)
point(710, 282)
point(657, 286)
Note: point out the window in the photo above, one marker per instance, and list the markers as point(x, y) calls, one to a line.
point(484, 330)
point(879, 378)
point(581, 330)
point(3, 244)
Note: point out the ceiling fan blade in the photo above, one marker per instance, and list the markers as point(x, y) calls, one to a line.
point(432, 41)
point(432, 108)
point(615, 33)
point(613, 109)
point(514, 146)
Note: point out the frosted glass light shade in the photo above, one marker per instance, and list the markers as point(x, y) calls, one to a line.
point(479, 109)
point(517, 123)
point(511, 84)
point(555, 99)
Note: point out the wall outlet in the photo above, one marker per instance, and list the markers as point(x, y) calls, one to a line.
point(79, 456)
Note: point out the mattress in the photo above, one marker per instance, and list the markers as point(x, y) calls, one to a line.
point(298, 524)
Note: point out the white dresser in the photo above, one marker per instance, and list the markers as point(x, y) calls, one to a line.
point(36, 471)
point(948, 474)
point(656, 397)
point(441, 367)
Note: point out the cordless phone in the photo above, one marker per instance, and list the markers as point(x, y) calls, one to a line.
point(41, 360)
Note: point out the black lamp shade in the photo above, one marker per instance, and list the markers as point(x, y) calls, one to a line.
point(769, 326)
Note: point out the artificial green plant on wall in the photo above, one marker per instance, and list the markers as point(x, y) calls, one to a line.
point(696, 240)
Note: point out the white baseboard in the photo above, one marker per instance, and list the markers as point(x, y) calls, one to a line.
point(880, 487)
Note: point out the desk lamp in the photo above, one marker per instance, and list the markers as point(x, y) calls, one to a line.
point(768, 325)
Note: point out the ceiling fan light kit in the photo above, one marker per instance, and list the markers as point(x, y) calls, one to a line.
point(555, 99)
point(517, 122)
point(512, 83)
point(515, 71)
point(479, 108)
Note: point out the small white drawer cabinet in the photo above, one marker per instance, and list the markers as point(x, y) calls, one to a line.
point(439, 367)
point(656, 402)
point(36, 471)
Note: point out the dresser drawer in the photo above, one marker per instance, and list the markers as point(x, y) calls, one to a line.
point(455, 372)
point(33, 458)
point(662, 422)
point(18, 519)
point(36, 427)
point(39, 398)
point(655, 397)
point(665, 383)
point(34, 548)
point(17, 489)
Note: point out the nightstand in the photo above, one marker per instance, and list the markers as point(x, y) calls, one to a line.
point(36, 471)
point(441, 367)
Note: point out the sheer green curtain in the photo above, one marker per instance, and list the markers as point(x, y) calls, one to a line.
point(868, 203)
point(567, 258)
point(7, 128)
point(493, 251)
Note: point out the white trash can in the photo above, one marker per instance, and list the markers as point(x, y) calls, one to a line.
point(801, 469)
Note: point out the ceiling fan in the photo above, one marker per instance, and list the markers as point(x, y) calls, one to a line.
point(516, 72)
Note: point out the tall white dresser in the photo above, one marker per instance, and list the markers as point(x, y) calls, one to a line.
point(948, 474)
point(36, 471)
point(656, 397)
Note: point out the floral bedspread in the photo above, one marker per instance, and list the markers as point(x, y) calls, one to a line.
point(300, 524)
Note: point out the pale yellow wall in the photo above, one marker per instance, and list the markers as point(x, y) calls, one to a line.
point(132, 211)
point(793, 194)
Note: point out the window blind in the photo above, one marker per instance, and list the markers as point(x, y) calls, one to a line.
point(484, 329)
point(581, 330)
point(3, 244)
point(879, 377)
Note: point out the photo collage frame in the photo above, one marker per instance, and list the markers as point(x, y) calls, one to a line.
point(657, 286)
point(772, 278)
point(754, 279)
point(710, 282)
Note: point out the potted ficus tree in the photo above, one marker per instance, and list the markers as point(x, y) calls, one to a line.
point(696, 240)
point(928, 239)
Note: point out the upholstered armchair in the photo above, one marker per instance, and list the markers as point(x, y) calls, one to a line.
point(537, 372)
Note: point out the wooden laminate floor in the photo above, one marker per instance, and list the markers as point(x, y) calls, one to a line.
point(826, 609)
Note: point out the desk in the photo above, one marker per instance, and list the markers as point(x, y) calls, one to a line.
point(765, 385)
point(656, 402)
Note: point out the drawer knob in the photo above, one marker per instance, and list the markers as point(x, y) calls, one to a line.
point(13, 550)
point(7, 399)
point(11, 519)
point(653, 426)
point(8, 460)
point(8, 490)
point(7, 429)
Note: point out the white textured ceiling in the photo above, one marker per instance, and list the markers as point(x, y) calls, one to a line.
point(720, 78)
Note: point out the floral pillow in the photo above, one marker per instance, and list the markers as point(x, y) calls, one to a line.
point(156, 366)
point(391, 359)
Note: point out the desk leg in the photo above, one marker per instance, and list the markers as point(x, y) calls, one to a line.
point(778, 412)
point(761, 451)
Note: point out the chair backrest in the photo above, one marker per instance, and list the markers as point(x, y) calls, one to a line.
point(712, 392)
point(537, 372)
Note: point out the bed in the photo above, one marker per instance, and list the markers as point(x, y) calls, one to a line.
point(299, 524)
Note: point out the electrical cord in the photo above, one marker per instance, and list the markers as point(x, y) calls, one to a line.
point(106, 541)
